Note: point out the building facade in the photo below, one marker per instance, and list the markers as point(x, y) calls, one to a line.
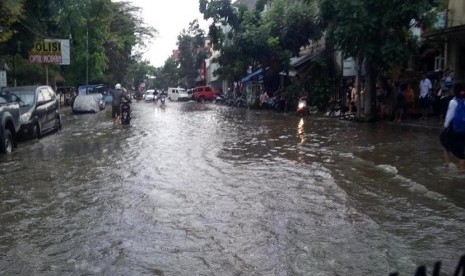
point(450, 32)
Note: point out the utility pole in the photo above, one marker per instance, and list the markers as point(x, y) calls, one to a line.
point(87, 54)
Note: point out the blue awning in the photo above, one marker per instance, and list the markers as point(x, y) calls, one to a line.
point(249, 77)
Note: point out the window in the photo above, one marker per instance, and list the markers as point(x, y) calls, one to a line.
point(45, 94)
point(208, 89)
point(40, 98)
point(7, 97)
point(52, 93)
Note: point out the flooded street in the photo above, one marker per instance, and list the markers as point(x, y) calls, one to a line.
point(201, 189)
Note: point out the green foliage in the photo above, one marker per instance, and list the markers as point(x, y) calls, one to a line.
point(168, 75)
point(317, 81)
point(372, 30)
point(258, 40)
point(107, 36)
point(10, 13)
point(193, 52)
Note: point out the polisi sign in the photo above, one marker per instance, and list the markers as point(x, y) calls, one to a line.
point(47, 51)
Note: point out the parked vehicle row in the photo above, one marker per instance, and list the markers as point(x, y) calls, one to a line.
point(204, 93)
point(27, 112)
point(199, 94)
point(177, 94)
point(149, 95)
point(90, 103)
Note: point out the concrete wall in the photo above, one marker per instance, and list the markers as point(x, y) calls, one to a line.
point(456, 15)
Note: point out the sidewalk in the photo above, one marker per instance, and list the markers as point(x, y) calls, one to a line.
point(431, 122)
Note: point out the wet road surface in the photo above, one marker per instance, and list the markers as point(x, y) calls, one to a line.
point(200, 189)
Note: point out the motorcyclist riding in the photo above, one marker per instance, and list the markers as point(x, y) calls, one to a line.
point(118, 95)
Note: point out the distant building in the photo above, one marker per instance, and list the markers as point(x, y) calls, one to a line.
point(450, 29)
point(249, 3)
point(176, 54)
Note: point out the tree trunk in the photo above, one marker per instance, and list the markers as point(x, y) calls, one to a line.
point(371, 74)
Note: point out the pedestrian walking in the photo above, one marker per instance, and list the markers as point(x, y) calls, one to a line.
point(425, 87)
point(400, 101)
point(409, 99)
point(452, 136)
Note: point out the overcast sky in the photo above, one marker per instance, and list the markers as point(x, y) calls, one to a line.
point(169, 17)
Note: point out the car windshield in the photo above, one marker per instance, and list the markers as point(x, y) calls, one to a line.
point(6, 97)
point(26, 97)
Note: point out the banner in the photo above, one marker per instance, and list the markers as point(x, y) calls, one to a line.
point(54, 51)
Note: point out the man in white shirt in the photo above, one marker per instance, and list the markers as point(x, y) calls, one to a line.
point(425, 94)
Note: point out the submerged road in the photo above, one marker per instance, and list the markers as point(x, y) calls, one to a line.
point(201, 189)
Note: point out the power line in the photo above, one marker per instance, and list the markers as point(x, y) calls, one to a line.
point(34, 31)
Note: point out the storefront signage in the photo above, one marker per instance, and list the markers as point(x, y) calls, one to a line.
point(55, 51)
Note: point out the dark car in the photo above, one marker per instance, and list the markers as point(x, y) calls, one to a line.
point(9, 121)
point(39, 108)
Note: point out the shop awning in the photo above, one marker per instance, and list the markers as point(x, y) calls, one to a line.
point(250, 76)
point(460, 29)
point(304, 59)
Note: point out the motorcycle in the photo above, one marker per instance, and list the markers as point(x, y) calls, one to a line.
point(68, 98)
point(302, 107)
point(162, 100)
point(219, 99)
point(125, 113)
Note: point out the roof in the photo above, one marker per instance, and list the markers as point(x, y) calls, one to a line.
point(250, 76)
point(304, 59)
point(24, 88)
point(446, 31)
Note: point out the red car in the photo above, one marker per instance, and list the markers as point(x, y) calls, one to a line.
point(204, 93)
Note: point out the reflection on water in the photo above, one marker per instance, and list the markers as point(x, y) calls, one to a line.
point(225, 191)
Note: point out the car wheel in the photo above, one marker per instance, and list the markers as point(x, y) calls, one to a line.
point(35, 134)
point(7, 143)
point(58, 123)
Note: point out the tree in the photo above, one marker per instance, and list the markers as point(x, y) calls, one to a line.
point(168, 75)
point(192, 52)
point(10, 13)
point(256, 39)
point(106, 37)
point(375, 32)
point(126, 42)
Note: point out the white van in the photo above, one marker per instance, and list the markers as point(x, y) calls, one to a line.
point(177, 94)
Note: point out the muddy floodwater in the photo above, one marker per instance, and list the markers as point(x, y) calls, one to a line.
point(201, 189)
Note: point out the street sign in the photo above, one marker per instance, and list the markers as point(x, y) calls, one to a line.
point(3, 78)
point(55, 51)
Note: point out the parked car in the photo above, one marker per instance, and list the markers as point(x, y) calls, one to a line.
point(9, 119)
point(91, 103)
point(149, 95)
point(204, 93)
point(190, 93)
point(177, 94)
point(39, 109)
